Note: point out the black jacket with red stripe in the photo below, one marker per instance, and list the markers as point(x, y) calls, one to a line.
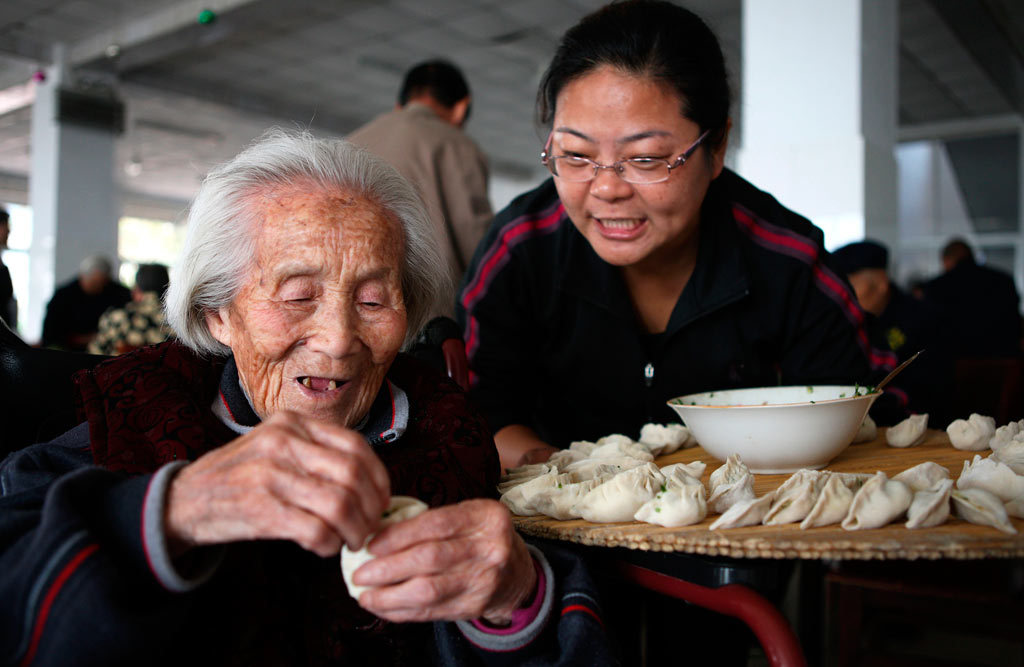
point(554, 342)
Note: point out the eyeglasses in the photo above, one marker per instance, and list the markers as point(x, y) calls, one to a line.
point(638, 170)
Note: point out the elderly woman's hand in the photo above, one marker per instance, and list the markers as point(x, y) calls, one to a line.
point(461, 561)
point(292, 478)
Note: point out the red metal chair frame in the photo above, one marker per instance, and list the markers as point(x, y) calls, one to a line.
point(780, 644)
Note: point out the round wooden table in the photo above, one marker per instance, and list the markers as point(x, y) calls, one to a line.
point(955, 539)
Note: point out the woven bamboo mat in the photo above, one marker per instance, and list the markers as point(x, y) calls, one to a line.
point(954, 539)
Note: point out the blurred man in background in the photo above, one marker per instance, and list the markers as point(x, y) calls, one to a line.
point(980, 306)
point(8, 306)
point(903, 324)
point(423, 138)
point(74, 311)
point(141, 322)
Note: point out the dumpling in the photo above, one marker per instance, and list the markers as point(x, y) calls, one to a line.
point(564, 457)
point(973, 433)
point(831, 505)
point(663, 439)
point(923, 476)
point(744, 513)
point(616, 447)
point(909, 432)
point(1006, 434)
point(583, 446)
point(867, 432)
point(930, 507)
point(1012, 454)
point(695, 469)
point(795, 498)
point(877, 503)
point(399, 509)
point(992, 476)
point(983, 508)
point(1015, 507)
point(730, 484)
point(681, 503)
point(557, 502)
point(591, 468)
point(519, 499)
point(619, 498)
point(732, 471)
point(516, 476)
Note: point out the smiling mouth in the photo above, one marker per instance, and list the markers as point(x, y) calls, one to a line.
point(620, 223)
point(319, 384)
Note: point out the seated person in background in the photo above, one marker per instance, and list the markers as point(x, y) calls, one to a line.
point(141, 322)
point(74, 311)
point(979, 305)
point(8, 304)
point(643, 269)
point(905, 325)
point(198, 514)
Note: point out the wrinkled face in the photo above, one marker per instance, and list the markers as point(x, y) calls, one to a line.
point(608, 115)
point(872, 289)
point(320, 316)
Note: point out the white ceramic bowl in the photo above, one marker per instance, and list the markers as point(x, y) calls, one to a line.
point(776, 429)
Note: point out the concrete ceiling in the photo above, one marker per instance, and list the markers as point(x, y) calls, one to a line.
point(195, 94)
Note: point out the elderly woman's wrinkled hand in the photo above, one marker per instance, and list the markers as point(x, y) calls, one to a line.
point(461, 561)
point(292, 478)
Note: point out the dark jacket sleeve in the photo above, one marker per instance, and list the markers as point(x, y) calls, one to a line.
point(75, 580)
point(574, 633)
point(497, 310)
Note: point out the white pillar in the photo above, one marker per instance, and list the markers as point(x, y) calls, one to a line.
point(75, 205)
point(819, 112)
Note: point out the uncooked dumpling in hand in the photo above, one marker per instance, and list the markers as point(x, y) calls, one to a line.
point(399, 509)
point(909, 432)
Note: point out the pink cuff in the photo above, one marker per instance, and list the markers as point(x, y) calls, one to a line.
point(520, 617)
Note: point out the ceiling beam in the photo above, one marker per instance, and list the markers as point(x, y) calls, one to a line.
point(989, 42)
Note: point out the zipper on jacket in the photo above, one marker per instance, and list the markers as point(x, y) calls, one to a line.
point(649, 375)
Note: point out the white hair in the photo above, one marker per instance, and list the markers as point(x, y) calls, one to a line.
point(220, 246)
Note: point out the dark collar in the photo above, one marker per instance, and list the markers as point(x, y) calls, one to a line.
point(720, 277)
point(385, 422)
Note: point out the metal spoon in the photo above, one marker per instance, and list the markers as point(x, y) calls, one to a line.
point(896, 371)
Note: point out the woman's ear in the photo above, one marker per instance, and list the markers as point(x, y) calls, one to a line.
point(219, 323)
point(718, 154)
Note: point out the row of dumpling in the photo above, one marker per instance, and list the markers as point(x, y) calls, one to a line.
point(987, 493)
point(601, 481)
point(975, 433)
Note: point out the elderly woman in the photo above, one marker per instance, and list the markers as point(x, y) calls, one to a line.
point(280, 422)
point(644, 269)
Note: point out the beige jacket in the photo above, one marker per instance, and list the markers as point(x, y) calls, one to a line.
point(447, 168)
